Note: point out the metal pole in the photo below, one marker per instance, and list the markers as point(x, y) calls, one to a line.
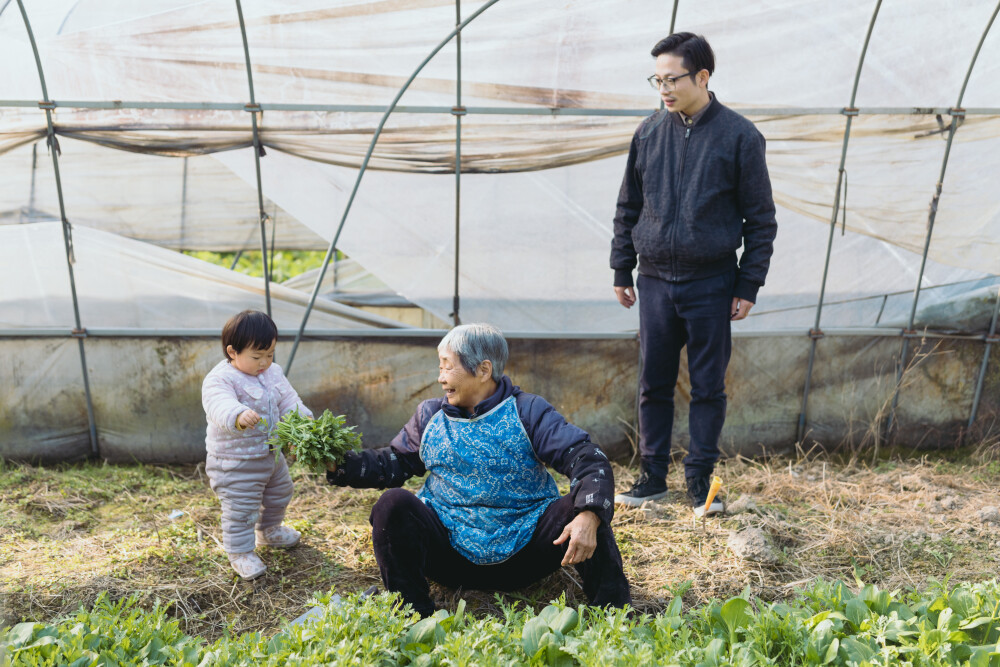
point(184, 197)
point(79, 332)
point(816, 333)
point(34, 170)
point(274, 235)
point(336, 266)
point(458, 111)
point(258, 150)
point(990, 339)
point(502, 111)
point(956, 113)
point(364, 165)
point(673, 21)
point(397, 329)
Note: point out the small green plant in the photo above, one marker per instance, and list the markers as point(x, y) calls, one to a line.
point(826, 624)
point(314, 443)
point(544, 639)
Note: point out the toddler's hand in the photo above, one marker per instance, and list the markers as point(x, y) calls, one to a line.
point(290, 455)
point(332, 467)
point(247, 419)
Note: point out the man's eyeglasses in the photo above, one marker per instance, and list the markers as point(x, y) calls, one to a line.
point(669, 82)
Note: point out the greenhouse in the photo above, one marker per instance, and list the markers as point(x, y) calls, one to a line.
point(466, 157)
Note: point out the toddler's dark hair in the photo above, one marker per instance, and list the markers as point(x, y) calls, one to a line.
point(251, 328)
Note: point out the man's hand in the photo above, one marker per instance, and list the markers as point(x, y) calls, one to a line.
point(741, 308)
point(581, 533)
point(626, 296)
point(247, 419)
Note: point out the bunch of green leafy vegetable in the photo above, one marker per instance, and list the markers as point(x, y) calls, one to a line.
point(315, 443)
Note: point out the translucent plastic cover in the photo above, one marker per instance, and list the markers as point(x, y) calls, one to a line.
point(528, 227)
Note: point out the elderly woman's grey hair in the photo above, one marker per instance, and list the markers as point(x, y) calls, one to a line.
point(474, 344)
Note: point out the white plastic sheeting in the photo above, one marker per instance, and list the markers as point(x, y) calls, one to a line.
point(191, 203)
point(534, 242)
point(125, 284)
point(512, 271)
point(538, 194)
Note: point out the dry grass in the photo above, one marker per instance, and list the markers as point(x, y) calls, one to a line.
point(67, 534)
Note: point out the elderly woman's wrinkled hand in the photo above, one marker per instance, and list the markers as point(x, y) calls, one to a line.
point(582, 535)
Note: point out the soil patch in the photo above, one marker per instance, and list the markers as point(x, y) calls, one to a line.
point(71, 532)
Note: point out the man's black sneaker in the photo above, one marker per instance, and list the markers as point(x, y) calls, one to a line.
point(645, 488)
point(698, 493)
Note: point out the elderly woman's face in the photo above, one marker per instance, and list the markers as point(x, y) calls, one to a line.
point(461, 388)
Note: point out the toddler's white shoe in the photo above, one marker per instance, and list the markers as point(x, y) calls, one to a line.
point(282, 537)
point(248, 565)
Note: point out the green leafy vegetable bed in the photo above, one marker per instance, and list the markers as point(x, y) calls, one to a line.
point(825, 624)
point(315, 442)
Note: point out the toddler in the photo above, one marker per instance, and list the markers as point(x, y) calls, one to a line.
point(251, 481)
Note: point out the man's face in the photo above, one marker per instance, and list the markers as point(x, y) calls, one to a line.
point(689, 92)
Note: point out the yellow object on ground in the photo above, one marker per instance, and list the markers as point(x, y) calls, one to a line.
point(714, 489)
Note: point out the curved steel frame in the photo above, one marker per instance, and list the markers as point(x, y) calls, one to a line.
point(258, 151)
point(956, 113)
point(816, 333)
point(364, 165)
point(991, 338)
point(458, 111)
point(79, 332)
point(254, 108)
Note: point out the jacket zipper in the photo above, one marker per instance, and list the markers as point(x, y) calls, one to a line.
point(677, 205)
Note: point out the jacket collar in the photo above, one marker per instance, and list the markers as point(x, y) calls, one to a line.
point(505, 389)
point(704, 115)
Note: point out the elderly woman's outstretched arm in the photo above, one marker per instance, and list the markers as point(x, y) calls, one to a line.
point(391, 466)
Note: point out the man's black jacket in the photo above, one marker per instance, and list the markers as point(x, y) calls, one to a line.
point(690, 197)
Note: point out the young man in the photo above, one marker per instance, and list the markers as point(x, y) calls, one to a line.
point(696, 188)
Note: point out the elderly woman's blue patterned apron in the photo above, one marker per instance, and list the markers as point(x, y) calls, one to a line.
point(484, 482)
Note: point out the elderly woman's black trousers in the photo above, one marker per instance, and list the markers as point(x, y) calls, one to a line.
point(412, 546)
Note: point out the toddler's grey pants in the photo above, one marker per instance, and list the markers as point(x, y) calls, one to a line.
point(254, 494)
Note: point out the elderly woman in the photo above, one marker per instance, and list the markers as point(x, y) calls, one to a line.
point(489, 515)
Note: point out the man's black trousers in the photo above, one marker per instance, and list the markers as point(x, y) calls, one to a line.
point(695, 313)
point(411, 546)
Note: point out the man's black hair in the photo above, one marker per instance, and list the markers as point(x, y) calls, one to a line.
point(694, 49)
point(251, 328)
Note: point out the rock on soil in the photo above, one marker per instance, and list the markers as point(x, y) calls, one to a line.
point(989, 515)
point(752, 544)
point(744, 503)
point(949, 503)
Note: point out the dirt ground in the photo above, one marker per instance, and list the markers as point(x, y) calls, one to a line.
point(71, 532)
